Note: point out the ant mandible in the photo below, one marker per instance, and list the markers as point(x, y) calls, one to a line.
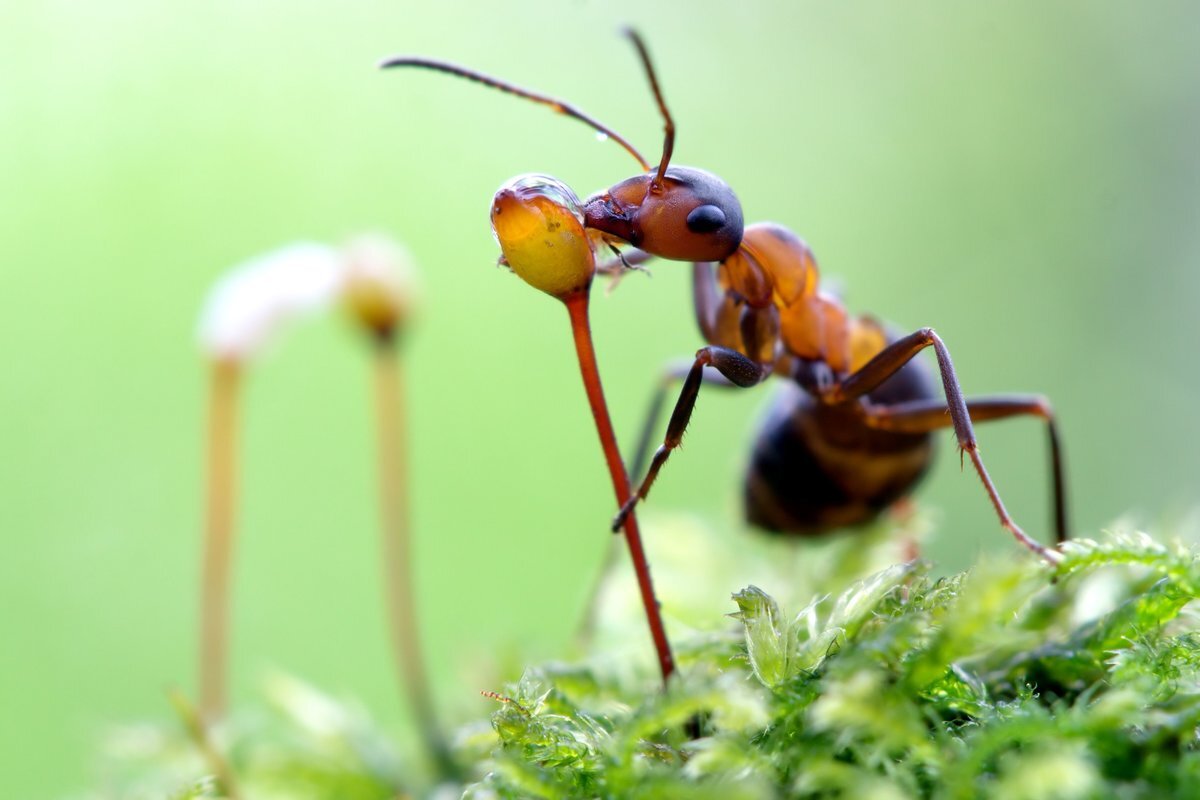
point(851, 434)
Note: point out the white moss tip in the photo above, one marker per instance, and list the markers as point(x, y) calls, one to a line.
point(253, 301)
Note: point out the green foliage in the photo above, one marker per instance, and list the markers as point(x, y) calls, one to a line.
point(1013, 680)
point(307, 745)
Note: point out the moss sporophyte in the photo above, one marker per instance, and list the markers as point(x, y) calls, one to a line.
point(372, 278)
point(538, 223)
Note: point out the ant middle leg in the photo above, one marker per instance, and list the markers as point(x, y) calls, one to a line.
point(924, 416)
point(735, 367)
point(887, 363)
point(707, 300)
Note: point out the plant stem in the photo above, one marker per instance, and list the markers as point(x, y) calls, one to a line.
point(577, 308)
point(396, 544)
point(218, 537)
point(591, 611)
point(198, 732)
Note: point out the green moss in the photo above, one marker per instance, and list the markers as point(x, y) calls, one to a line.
point(1010, 681)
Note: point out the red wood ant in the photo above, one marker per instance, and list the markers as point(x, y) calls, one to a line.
point(851, 434)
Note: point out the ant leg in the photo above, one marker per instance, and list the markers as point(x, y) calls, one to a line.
point(674, 373)
point(740, 371)
point(706, 298)
point(623, 262)
point(923, 416)
point(621, 265)
point(886, 364)
point(706, 301)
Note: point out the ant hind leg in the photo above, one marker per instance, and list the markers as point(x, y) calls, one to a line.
point(887, 363)
point(923, 416)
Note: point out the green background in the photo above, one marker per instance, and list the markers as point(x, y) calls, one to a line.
point(1025, 179)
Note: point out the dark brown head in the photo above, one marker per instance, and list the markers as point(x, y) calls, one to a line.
point(692, 216)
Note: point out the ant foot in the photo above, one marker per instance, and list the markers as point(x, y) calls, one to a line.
point(1051, 556)
point(619, 519)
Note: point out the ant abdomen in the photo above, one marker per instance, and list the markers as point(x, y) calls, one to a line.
point(691, 216)
point(815, 468)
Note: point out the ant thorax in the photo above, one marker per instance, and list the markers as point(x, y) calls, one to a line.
point(774, 267)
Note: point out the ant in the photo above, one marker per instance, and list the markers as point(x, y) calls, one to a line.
point(851, 433)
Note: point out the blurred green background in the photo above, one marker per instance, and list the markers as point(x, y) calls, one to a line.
point(1026, 179)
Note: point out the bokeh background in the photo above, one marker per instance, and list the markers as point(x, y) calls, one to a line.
point(1026, 179)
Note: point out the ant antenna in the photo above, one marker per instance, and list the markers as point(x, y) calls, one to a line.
point(557, 105)
point(668, 123)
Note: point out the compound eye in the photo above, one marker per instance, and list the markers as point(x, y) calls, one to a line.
point(705, 219)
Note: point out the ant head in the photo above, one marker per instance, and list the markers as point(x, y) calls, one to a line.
point(539, 225)
point(679, 213)
point(691, 215)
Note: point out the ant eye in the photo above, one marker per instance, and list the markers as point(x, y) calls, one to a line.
point(705, 219)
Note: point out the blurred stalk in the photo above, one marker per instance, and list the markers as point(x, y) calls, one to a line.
point(396, 541)
point(218, 538)
point(243, 310)
point(198, 732)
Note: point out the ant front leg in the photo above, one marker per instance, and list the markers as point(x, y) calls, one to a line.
point(737, 368)
point(887, 363)
point(623, 262)
point(706, 301)
point(924, 416)
point(706, 298)
point(674, 373)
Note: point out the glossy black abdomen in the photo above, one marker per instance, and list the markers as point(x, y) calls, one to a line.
point(815, 468)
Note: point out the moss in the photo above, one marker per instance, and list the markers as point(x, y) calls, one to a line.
point(1011, 680)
